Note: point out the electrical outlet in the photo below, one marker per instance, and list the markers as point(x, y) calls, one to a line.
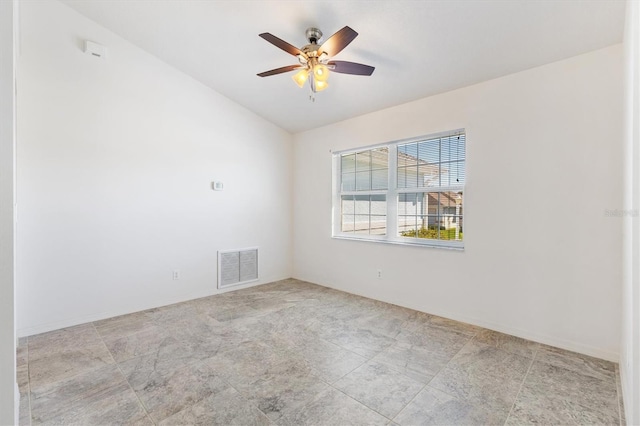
point(379, 273)
point(176, 274)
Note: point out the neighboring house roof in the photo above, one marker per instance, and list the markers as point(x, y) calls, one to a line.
point(447, 199)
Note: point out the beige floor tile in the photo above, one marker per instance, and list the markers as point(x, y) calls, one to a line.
point(579, 363)
point(62, 354)
point(333, 407)
point(507, 343)
point(556, 395)
point(294, 353)
point(380, 388)
point(483, 374)
point(99, 396)
point(226, 408)
point(434, 407)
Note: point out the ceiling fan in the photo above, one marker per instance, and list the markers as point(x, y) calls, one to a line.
point(314, 59)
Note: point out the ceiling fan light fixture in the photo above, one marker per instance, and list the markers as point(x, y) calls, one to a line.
point(301, 77)
point(320, 72)
point(321, 85)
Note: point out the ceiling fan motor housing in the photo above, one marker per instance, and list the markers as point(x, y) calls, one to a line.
point(314, 35)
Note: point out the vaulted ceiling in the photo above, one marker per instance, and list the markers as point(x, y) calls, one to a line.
point(419, 48)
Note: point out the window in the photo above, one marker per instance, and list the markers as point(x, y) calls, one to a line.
point(364, 178)
point(402, 192)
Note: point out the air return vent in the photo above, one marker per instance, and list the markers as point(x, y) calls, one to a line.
point(237, 267)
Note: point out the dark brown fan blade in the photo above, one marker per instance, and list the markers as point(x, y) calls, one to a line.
point(345, 67)
point(281, 44)
point(338, 41)
point(279, 70)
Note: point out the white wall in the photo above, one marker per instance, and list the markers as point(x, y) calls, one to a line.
point(541, 260)
point(115, 164)
point(630, 345)
point(8, 385)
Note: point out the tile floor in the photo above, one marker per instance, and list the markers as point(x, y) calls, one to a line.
point(293, 353)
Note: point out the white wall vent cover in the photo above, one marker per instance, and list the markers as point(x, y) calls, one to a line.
point(237, 266)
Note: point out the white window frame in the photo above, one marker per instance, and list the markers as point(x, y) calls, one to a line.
point(392, 236)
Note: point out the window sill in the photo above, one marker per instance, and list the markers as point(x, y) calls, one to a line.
point(400, 243)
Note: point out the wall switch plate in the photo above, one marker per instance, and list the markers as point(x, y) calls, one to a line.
point(176, 274)
point(217, 186)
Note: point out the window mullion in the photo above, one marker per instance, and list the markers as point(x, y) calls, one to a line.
point(337, 199)
point(440, 163)
point(392, 194)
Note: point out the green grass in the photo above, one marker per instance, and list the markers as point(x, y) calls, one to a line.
point(431, 233)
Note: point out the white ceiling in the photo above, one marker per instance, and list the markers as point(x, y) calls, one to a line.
point(419, 48)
